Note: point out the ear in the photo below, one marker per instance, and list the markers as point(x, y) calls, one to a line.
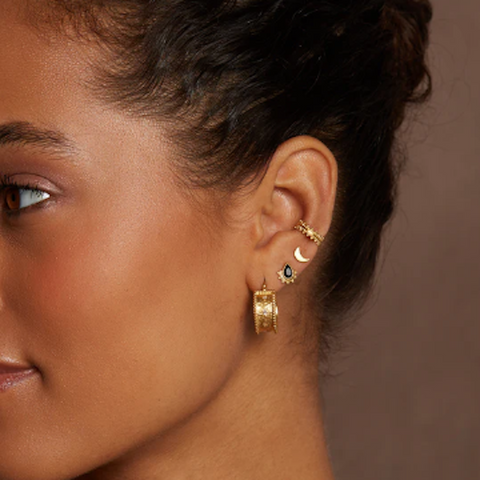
point(300, 183)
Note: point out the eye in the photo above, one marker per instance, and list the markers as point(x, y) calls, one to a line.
point(17, 198)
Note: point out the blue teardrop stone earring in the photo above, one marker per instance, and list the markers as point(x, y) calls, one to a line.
point(287, 275)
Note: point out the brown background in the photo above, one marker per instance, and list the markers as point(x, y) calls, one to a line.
point(406, 403)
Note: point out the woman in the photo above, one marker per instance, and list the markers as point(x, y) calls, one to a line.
point(193, 194)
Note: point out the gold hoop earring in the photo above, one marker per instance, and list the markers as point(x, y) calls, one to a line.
point(265, 310)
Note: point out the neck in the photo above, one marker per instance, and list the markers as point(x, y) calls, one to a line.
point(265, 423)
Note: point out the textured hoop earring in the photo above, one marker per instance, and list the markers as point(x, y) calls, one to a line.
point(265, 310)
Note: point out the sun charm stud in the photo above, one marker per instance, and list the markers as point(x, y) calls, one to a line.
point(287, 275)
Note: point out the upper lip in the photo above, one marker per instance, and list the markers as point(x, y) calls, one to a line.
point(13, 368)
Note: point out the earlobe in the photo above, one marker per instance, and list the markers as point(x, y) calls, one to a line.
point(296, 196)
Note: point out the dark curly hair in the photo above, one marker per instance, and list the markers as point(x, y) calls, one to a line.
point(236, 78)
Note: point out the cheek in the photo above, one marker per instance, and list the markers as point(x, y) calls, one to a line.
point(125, 320)
point(115, 298)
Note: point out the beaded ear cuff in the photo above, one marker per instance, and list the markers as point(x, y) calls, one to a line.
point(309, 232)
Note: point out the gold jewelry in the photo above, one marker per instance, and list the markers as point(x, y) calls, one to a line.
point(299, 257)
point(265, 310)
point(309, 232)
point(287, 275)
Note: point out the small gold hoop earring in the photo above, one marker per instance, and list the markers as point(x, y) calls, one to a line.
point(265, 310)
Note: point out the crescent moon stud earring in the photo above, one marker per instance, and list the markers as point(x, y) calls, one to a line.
point(299, 257)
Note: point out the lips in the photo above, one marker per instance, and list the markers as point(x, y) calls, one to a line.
point(12, 375)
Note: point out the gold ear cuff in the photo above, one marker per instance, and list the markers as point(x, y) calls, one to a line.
point(309, 232)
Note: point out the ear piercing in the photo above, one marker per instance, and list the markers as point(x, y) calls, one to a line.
point(265, 310)
point(287, 275)
point(308, 231)
point(299, 257)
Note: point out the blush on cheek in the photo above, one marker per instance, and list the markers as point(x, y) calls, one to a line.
point(87, 286)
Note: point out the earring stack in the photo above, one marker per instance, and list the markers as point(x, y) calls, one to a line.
point(265, 308)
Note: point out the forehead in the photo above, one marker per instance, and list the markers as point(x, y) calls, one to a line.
point(37, 73)
point(45, 80)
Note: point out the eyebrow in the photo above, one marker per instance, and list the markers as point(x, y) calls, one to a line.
point(25, 134)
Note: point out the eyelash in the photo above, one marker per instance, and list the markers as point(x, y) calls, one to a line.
point(6, 181)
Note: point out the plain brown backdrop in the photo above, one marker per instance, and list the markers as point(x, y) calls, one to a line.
point(406, 402)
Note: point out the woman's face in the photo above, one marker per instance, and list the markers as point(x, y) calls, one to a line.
point(108, 281)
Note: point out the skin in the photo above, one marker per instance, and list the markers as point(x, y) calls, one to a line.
point(133, 301)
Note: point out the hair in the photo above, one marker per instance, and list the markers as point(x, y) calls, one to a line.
point(237, 78)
